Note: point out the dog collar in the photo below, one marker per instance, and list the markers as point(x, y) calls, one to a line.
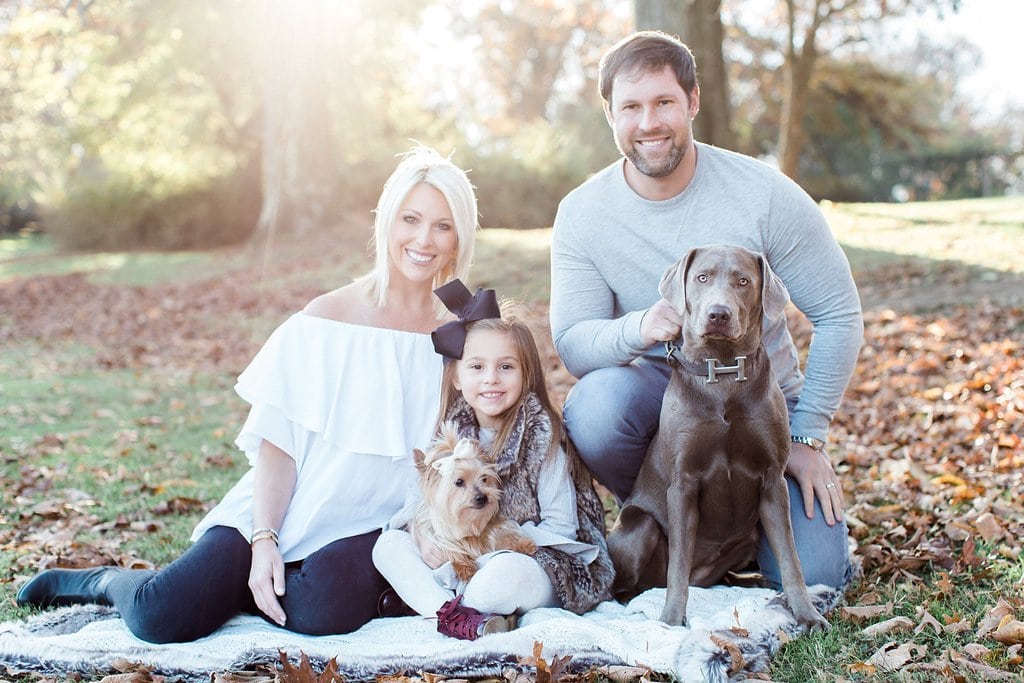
point(710, 368)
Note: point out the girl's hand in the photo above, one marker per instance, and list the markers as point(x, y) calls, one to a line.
point(429, 552)
point(266, 579)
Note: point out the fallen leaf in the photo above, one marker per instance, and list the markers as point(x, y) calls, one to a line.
point(894, 625)
point(736, 660)
point(993, 617)
point(513, 675)
point(133, 677)
point(241, 677)
point(545, 673)
point(624, 674)
point(1009, 633)
point(977, 650)
point(945, 584)
point(961, 626)
point(968, 557)
point(863, 613)
point(988, 526)
point(894, 656)
point(985, 671)
point(928, 620)
point(303, 673)
point(948, 480)
point(862, 668)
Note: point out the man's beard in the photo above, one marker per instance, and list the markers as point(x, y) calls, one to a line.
point(675, 157)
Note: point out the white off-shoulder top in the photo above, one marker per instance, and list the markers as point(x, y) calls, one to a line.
point(348, 403)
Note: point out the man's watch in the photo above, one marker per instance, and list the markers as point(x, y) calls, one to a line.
point(816, 444)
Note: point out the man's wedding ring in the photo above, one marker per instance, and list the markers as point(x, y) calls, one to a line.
point(831, 486)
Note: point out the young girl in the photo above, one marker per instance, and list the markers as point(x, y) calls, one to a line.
point(493, 390)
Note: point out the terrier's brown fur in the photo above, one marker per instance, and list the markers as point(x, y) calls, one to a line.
point(458, 512)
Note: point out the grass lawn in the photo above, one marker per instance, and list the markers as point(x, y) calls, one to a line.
point(117, 415)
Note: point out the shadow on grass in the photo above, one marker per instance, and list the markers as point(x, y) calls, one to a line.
point(916, 284)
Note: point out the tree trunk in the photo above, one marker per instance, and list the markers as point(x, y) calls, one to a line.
point(698, 23)
point(796, 87)
point(297, 163)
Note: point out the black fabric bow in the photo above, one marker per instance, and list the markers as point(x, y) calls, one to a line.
point(450, 339)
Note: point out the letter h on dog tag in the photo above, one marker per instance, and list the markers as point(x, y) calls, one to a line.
point(714, 369)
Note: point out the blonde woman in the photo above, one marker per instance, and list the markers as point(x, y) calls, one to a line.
point(340, 394)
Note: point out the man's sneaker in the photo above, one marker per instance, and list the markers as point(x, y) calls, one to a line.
point(458, 621)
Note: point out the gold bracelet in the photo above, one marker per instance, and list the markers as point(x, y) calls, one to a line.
point(261, 534)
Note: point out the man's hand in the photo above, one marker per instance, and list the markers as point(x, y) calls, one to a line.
point(660, 323)
point(815, 476)
point(266, 579)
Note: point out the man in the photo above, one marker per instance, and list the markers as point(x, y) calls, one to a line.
point(613, 239)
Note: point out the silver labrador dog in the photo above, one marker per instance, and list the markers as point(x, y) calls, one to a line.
point(716, 466)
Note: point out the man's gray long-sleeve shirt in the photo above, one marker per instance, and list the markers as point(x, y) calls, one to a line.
point(610, 248)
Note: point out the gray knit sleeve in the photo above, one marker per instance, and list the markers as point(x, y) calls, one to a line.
point(806, 256)
point(586, 335)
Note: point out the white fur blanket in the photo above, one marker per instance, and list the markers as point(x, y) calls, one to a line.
point(89, 639)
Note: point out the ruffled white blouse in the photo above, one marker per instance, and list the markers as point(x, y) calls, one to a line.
point(348, 403)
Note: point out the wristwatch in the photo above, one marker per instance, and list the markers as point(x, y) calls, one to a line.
point(816, 444)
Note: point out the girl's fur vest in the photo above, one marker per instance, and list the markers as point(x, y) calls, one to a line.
point(579, 586)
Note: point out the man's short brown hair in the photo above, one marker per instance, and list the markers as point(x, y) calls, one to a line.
point(647, 51)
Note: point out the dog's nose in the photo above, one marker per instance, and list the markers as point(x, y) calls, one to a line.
point(718, 314)
point(480, 500)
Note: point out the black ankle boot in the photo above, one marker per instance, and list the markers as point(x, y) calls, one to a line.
point(390, 605)
point(62, 587)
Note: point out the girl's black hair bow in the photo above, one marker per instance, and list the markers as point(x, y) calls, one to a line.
point(450, 339)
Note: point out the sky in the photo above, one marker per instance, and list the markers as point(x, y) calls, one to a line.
point(995, 27)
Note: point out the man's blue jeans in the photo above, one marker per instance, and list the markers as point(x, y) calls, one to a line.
point(612, 414)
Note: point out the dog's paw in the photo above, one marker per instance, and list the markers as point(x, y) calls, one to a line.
point(673, 616)
point(513, 539)
point(813, 621)
point(464, 568)
point(524, 545)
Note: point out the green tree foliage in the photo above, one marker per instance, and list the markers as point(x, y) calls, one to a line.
point(806, 33)
point(170, 123)
point(880, 110)
point(529, 104)
point(110, 123)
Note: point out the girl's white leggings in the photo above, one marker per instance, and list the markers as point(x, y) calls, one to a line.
point(505, 582)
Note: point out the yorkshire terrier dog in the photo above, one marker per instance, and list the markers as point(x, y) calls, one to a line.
point(459, 508)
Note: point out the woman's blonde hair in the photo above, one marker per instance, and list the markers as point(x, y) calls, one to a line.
point(533, 378)
point(423, 164)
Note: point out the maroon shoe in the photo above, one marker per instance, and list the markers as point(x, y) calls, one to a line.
point(465, 623)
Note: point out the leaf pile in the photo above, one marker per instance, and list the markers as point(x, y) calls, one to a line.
point(930, 439)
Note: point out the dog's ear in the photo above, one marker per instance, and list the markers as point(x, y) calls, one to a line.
point(420, 460)
point(774, 295)
point(673, 283)
point(447, 436)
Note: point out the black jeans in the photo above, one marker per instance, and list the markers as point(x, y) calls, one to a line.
point(334, 590)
